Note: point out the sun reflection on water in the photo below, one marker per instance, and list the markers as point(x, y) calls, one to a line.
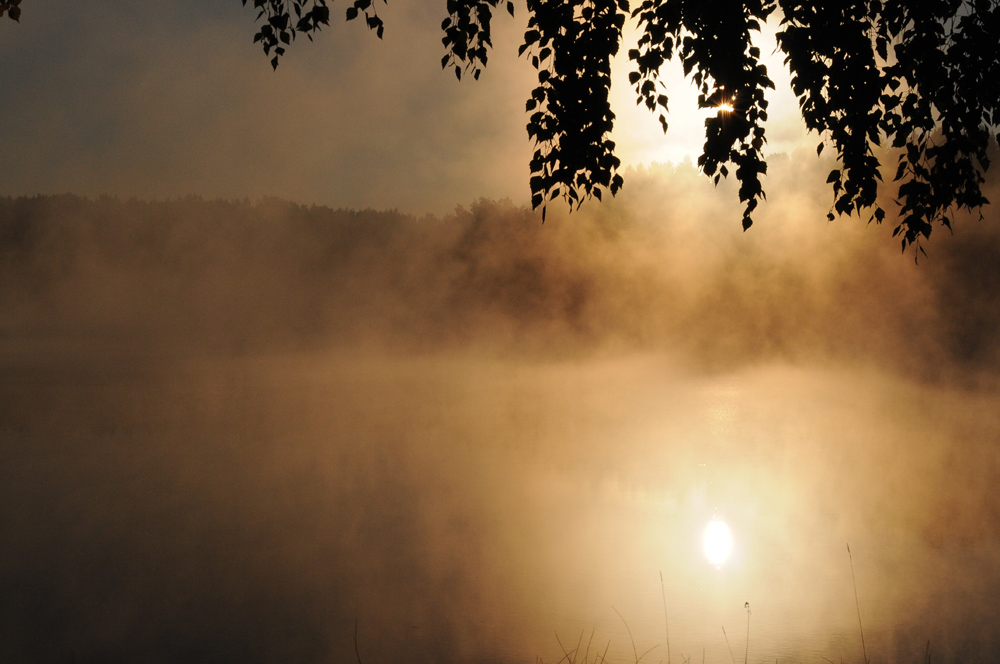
point(718, 542)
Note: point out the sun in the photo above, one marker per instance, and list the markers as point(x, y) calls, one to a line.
point(639, 137)
point(718, 542)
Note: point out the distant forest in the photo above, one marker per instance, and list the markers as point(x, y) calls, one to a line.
point(193, 275)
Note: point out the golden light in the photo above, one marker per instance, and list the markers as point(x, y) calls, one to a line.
point(718, 542)
point(639, 138)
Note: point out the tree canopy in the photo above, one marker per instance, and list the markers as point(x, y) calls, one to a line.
point(920, 80)
point(917, 82)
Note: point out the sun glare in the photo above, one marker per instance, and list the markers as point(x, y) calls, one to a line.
point(639, 137)
point(718, 542)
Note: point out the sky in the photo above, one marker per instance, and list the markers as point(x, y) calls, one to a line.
point(164, 99)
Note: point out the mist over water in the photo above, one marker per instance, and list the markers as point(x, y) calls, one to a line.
point(233, 431)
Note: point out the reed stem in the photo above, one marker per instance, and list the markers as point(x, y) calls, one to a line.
point(746, 655)
point(728, 646)
point(857, 605)
point(666, 627)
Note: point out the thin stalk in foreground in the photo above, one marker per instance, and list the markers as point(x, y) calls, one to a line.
point(635, 652)
point(746, 655)
point(728, 646)
point(864, 651)
point(666, 627)
point(356, 652)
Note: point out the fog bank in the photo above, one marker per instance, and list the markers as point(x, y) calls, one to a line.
point(233, 431)
point(663, 269)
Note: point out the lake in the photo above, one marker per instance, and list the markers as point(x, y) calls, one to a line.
point(468, 506)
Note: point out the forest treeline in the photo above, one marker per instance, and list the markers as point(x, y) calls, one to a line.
point(241, 276)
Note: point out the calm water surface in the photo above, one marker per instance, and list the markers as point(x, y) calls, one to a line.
point(460, 508)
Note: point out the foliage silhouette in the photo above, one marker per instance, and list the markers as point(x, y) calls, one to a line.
point(920, 79)
point(11, 9)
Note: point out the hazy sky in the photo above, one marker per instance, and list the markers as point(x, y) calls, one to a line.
point(169, 98)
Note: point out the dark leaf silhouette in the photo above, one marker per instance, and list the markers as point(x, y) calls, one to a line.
point(11, 9)
point(467, 34)
point(310, 16)
point(920, 79)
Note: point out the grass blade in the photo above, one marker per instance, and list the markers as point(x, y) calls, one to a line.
point(857, 605)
